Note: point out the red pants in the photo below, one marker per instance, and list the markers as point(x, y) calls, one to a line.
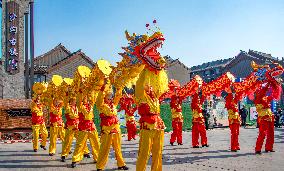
point(198, 128)
point(131, 129)
point(266, 129)
point(235, 136)
point(177, 132)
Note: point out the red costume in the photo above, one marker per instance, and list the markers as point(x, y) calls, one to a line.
point(177, 119)
point(265, 120)
point(198, 127)
point(234, 121)
point(126, 103)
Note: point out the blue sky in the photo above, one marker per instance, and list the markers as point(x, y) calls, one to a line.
point(196, 31)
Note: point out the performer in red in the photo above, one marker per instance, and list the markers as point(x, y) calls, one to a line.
point(234, 121)
point(177, 119)
point(265, 120)
point(198, 127)
point(127, 104)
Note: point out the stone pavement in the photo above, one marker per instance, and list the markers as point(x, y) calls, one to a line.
point(19, 156)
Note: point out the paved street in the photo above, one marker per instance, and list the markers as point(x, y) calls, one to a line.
point(19, 156)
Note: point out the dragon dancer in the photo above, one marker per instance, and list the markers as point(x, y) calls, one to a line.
point(198, 127)
point(265, 120)
point(71, 129)
point(56, 125)
point(38, 124)
point(126, 103)
point(110, 128)
point(87, 130)
point(270, 90)
point(176, 108)
point(234, 121)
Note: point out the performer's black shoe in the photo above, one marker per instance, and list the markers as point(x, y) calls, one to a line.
point(269, 151)
point(70, 152)
point(234, 150)
point(171, 143)
point(73, 165)
point(205, 145)
point(123, 168)
point(63, 158)
point(43, 147)
point(51, 154)
point(180, 144)
point(258, 152)
point(195, 146)
point(35, 150)
point(99, 169)
point(87, 156)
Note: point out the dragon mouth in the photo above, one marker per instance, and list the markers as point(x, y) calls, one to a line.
point(276, 75)
point(149, 53)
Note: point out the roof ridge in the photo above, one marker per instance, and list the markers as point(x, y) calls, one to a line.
point(60, 45)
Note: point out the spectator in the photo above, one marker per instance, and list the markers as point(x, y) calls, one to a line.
point(277, 117)
point(206, 116)
point(244, 114)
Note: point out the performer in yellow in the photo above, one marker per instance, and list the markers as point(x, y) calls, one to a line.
point(38, 124)
point(56, 125)
point(87, 130)
point(71, 125)
point(151, 132)
point(110, 129)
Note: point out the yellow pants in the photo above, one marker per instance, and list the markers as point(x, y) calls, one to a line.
point(39, 129)
point(69, 136)
point(81, 142)
point(55, 131)
point(150, 141)
point(107, 140)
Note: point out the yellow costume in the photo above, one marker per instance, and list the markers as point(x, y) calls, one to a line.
point(38, 125)
point(87, 130)
point(56, 126)
point(110, 132)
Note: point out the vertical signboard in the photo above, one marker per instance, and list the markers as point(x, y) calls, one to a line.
point(12, 37)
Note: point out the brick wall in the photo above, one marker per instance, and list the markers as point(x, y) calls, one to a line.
point(7, 122)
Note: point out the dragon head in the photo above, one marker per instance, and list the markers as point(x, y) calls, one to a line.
point(268, 74)
point(144, 49)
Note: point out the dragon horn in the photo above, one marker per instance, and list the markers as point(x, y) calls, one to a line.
point(254, 65)
point(128, 37)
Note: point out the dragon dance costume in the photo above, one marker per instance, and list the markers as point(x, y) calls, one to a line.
point(198, 127)
point(234, 121)
point(71, 129)
point(177, 119)
point(110, 129)
point(38, 124)
point(87, 131)
point(126, 103)
point(265, 120)
point(151, 133)
point(56, 125)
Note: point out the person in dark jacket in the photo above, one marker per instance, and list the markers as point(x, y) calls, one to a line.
point(206, 116)
point(244, 114)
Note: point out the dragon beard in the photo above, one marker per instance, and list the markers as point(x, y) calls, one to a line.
point(158, 81)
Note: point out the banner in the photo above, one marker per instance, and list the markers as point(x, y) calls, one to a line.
point(253, 113)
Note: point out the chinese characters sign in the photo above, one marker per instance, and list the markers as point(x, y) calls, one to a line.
point(12, 38)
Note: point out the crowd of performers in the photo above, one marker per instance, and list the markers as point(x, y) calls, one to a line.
point(103, 87)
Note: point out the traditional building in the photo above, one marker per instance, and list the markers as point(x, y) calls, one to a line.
point(239, 66)
point(60, 61)
point(177, 70)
